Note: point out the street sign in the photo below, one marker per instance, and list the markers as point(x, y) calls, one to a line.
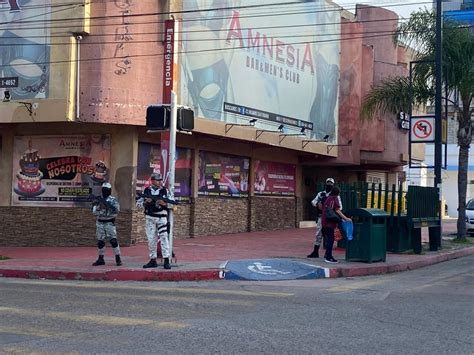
point(404, 121)
point(422, 129)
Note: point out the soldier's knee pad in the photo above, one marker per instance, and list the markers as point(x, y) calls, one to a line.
point(100, 244)
point(114, 243)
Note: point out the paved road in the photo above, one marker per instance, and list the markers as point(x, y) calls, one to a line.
point(425, 311)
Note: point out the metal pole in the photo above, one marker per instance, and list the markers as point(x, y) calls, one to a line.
point(435, 240)
point(172, 163)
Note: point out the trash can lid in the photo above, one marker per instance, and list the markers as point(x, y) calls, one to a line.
point(367, 212)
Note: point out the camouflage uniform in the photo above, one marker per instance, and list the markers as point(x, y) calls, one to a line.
point(156, 224)
point(105, 224)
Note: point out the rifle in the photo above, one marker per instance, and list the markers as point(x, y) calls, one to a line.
point(97, 200)
point(156, 198)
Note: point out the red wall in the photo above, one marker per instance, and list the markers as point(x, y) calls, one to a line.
point(118, 90)
point(364, 63)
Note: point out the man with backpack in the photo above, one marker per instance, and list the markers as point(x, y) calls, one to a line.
point(318, 202)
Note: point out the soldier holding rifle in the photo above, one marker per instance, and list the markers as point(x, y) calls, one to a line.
point(154, 201)
point(106, 209)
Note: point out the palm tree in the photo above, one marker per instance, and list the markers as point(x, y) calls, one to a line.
point(392, 94)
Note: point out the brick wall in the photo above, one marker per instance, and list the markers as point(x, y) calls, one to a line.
point(273, 213)
point(220, 215)
point(51, 226)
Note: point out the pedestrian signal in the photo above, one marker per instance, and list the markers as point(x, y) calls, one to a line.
point(185, 119)
point(158, 117)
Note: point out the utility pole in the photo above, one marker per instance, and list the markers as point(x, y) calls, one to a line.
point(435, 240)
point(172, 162)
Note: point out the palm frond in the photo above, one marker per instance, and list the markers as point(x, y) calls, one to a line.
point(391, 95)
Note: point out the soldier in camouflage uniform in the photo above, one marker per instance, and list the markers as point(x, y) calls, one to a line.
point(156, 219)
point(106, 210)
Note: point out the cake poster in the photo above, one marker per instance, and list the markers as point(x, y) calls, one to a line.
point(59, 170)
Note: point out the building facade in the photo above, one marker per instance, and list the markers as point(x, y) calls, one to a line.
point(276, 90)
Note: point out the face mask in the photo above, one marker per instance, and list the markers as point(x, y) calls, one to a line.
point(328, 188)
point(106, 193)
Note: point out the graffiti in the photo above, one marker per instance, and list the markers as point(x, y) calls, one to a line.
point(41, 86)
point(122, 36)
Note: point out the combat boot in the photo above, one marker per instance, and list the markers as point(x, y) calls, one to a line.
point(118, 261)
point(315, 253)
point(151, 263)
point(167, 264)
point(99, 261)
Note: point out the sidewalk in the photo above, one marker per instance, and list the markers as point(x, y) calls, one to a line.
point(205, 258)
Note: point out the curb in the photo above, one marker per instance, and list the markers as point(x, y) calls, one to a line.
point(386, 269)
point(221, 273)
point(122, 275)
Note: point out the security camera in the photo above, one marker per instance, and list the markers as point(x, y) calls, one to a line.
point(35, 105)
point(79, 37)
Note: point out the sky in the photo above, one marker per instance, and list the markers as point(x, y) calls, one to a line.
point(403, 7)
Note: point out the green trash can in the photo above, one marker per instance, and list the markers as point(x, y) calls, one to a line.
point(369, 241)
point(398, 234)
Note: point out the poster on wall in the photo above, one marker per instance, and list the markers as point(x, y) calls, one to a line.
point(59, 170)
point(223, 175)
point(293, 72)
point(274, 178)
point(149, 162)
point(25, 53)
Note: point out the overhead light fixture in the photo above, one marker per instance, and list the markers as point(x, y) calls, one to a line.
point(329, 147)
point(229, 126)
point(6, 96)
point(284, 135)
point(259, 132)
point(325, 139)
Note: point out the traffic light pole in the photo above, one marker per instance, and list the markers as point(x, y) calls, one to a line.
point(435, 240)
point(172, 163)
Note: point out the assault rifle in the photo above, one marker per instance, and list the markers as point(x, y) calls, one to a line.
point(157, 198)
point(99, 200)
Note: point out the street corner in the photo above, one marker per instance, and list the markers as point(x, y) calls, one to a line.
point(272, 270)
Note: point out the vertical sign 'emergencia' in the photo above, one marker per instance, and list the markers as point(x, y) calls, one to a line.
point(168, 61)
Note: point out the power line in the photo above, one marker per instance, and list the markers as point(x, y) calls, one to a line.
point(69, 34)
point(333, 9)
point(131, 42)
point(205, 39)
point(188, 52)
point(131, 15)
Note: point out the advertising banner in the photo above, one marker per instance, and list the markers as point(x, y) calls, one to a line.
point(25, 51)
point(223, 175)
point(274, 178)
point(150, 161)
point(59, 170)
point(268, 60)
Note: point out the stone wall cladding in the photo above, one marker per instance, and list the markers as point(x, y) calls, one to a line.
point(214, 215)
point(51, 226)
point(273, 213)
